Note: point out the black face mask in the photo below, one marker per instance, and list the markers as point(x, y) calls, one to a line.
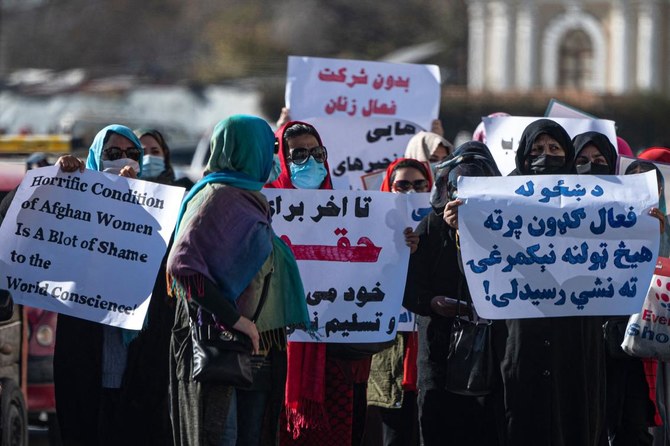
point(545, 164)
point(593, 169)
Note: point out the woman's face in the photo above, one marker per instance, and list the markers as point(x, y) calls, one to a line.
point(118, 146)
point(590, 154)
point(306, 141)
point(546, 156)
point(546, 145)
point(151, 146)
point(439, 155)
point(409, 178)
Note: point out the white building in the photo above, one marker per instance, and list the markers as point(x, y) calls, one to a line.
point(601, 46)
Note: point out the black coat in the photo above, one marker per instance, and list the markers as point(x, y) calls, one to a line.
point(445, 417)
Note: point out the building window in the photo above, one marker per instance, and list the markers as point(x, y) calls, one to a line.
point(576, 61)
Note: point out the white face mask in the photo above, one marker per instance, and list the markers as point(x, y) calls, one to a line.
point(116, 165)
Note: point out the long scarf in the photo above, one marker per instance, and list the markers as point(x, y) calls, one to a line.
point(223, 229)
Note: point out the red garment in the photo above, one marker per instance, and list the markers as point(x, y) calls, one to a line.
point(339, 406)
point(410, 372)
point(623, 148)
point(661, 154)
point(307, 382)
point(650, 366)
point(386, 184)
point(283, 181)
point(305, 392)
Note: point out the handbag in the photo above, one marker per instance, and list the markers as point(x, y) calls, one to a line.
point(648, 333)
point(470, 362)
point(224, 356)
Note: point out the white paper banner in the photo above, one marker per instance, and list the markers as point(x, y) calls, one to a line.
point(503, 135)
point(541, 246)
point(87, 244)
point(318, 87)
point(357, 147)
point(352, 257)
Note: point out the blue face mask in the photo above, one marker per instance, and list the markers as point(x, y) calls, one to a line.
point(309, 175)
point(152, 166)
point(276, 169)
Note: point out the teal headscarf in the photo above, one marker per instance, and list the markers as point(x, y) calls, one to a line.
point(241, 151)
point(94, 160)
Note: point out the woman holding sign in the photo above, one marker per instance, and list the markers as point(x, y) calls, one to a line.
point(392, 387)
point(436, 291)
point(90, 358)
point(553, 370)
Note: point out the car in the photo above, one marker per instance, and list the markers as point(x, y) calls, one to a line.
point(27, 341)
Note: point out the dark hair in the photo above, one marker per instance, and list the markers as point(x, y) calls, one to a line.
point(160, 139)
point(299, 129)
point(411, 163)
point(645, 166)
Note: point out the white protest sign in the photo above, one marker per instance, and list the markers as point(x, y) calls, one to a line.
point(359, 146)
point(87, 244)
point(542, 246)
point(352, 257)
point(418, 207)
point(318, 87)
point(503, 135)
point(558, 109)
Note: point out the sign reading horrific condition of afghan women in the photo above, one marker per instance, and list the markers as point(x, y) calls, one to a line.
point(571, 245)
point(87, 244)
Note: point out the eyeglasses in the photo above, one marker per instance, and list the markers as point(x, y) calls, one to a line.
point(405, 185)
point(300, 155)
point(114, 153)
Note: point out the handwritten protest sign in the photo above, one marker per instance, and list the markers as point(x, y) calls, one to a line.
point(87, 244)
point(318, 87)
point(352, 258)
point(540, 246)
point(503, 135)
point(357, 147)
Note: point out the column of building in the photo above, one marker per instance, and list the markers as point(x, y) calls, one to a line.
point(526, 46)
point(476, 45)
point(648, 76)
point(501, 56)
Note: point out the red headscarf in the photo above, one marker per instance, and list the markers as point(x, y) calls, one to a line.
point(661, 154)
point(412, 163)
point(283, 181)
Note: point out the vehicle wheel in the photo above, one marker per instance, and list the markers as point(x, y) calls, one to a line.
point(13, 416)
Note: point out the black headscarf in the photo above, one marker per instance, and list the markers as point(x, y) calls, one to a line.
point(530, 134)
point(603, 145)
point(471, 159)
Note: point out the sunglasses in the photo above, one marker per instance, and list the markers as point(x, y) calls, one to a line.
point(114, 153)
point(300, 155)
point(405, 185)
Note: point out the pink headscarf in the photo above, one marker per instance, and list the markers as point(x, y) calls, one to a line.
point(623, 148)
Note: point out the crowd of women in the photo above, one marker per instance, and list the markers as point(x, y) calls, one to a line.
point(556, 383)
